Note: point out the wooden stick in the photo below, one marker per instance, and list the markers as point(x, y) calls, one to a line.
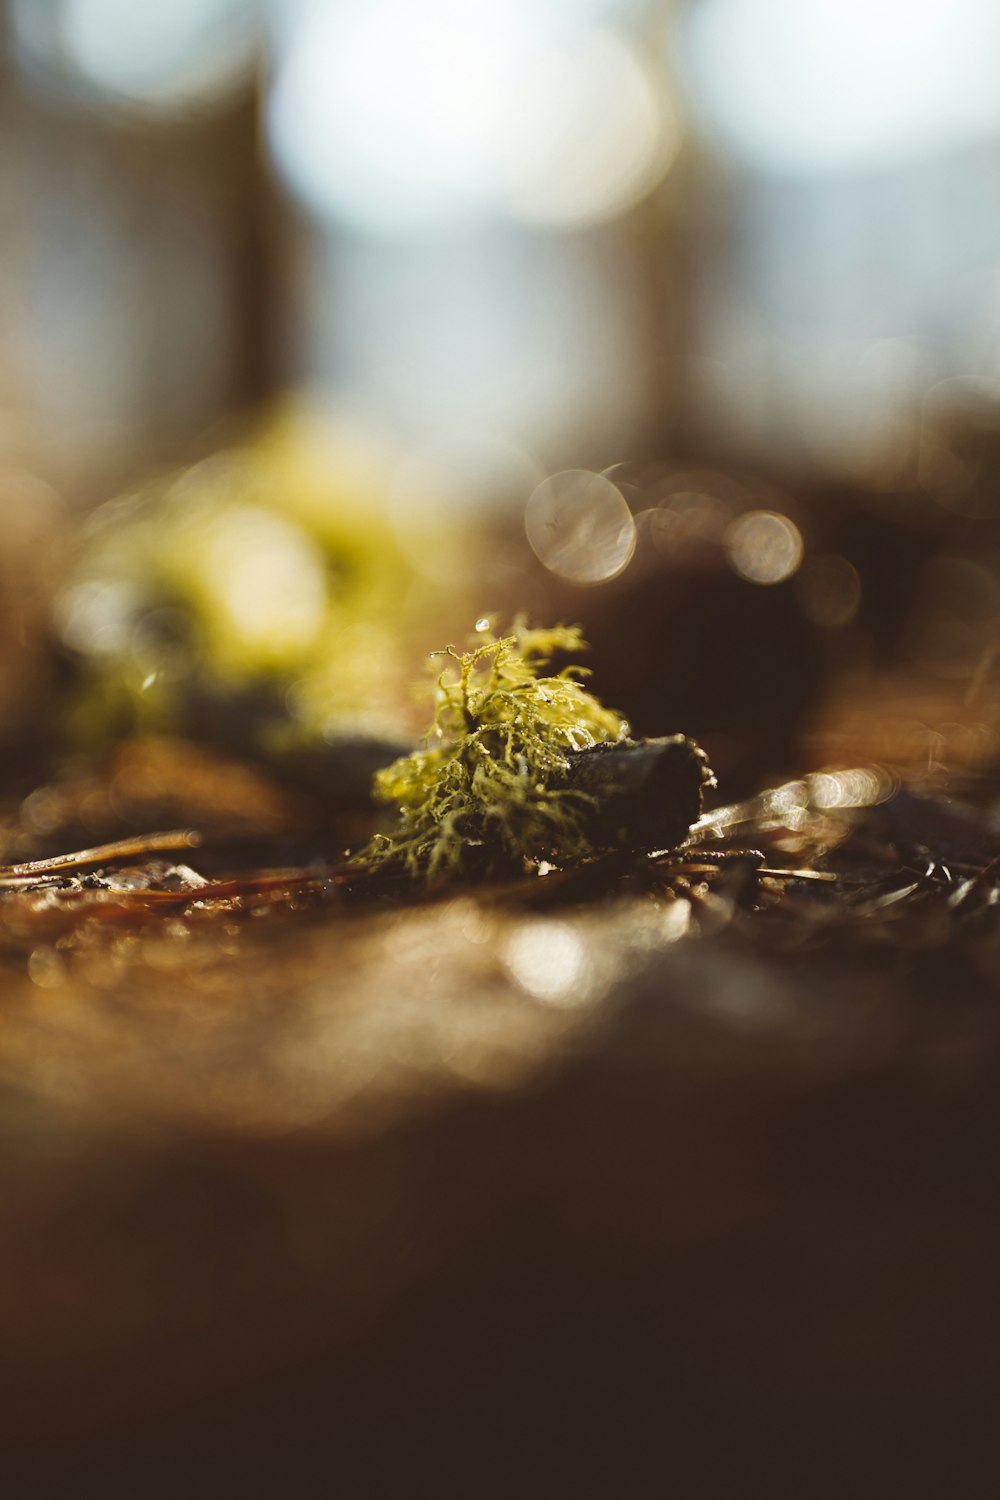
point(144, 843)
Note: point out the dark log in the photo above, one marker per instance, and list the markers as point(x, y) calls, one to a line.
point(647, 793)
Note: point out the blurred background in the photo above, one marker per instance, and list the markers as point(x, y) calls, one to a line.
point(329, 325)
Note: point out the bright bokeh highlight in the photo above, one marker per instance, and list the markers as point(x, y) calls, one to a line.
point(763, 547)
point(154, 56)
point(390, 116)
point(843, 85)
point(580, 527)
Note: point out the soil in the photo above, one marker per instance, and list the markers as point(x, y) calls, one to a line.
point(674, 1173)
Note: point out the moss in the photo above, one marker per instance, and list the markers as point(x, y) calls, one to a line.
point(272, 574)
point(488, 792)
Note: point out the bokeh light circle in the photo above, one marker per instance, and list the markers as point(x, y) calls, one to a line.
point(594, 133)
point(763, 547)
point(834, 86)
point(829, 590)
point(580, 527)
point(152, 57)
point(395, 117)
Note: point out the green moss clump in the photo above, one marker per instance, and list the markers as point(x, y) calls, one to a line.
point(487, 793)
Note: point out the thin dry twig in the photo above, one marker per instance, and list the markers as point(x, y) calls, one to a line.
point(130, 848)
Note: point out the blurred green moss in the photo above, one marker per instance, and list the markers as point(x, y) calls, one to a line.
point(266, 583)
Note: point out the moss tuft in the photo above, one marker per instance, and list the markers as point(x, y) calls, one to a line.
point(488, 792)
